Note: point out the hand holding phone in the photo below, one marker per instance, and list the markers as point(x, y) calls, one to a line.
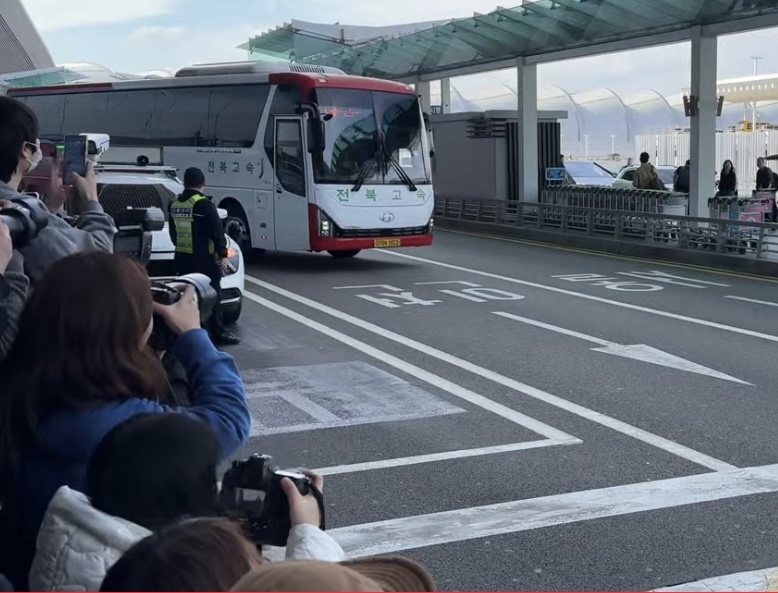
point(75, 157)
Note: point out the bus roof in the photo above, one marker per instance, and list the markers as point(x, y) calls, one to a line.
point(233, 73)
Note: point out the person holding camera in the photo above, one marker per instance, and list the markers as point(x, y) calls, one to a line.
point(13, 290)
point(147, 474)
point(20, 153)
point(81, 366)
point(201, 247)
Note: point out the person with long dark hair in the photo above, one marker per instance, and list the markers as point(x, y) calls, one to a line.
point(79, 367)
point(728, 180)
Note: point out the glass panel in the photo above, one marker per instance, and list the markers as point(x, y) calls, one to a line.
point(401, 126)
point(235, 113)
point(290, 162)
point(181, 117)
point(49, 109)
point(351, 136)
point(368, 136)
point(535, 28)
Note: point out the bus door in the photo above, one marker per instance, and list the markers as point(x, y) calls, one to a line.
point(291, 186)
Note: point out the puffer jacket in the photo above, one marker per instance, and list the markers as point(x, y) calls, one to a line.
point(77, 544)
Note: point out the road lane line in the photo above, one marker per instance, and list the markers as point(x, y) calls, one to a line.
point(747, 300)
point(590, 297)
point(409, 369)
point(409, 533)
point(444, 456)
point(556, 329)
point(553, 400)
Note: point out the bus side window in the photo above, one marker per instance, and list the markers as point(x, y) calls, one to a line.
point(289, 159)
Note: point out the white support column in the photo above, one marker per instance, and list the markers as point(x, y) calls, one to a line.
point(445, 94)
point(527, 165)
point(425, 95)
point(703, 124)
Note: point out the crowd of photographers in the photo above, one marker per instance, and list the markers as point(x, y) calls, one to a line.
point(109, 474)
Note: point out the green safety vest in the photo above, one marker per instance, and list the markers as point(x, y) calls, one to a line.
point(181, 215)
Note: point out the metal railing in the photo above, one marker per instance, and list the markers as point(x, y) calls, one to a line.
point(682, 232)
point(616, 198)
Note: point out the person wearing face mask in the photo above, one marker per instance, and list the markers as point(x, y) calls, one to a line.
point(20, 153)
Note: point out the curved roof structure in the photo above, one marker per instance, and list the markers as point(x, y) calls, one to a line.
point(536, 30)
point(21, 46)
point(606, 122)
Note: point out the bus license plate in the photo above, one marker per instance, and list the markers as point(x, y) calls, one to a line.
point(387, 243)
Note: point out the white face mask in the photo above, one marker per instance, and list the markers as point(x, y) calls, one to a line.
point(37, 156)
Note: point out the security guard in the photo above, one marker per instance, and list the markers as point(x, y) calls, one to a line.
point(201, 247)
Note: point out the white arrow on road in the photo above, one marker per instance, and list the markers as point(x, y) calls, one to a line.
point(636, 352)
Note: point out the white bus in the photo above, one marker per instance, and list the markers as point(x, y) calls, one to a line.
point(303, 158)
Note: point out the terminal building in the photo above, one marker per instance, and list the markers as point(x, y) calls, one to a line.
point(23, 48)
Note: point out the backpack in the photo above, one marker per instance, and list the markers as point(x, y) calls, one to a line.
point(656, 182)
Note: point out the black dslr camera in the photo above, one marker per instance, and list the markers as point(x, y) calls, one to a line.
point(134, 232)
point(25, 219)
point(168, 293)
point(251, 493)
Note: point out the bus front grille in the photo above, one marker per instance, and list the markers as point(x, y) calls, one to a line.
point(377, 233)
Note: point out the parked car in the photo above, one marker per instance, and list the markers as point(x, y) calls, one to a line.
point(627, 175)
point(588, 173)
point(143, 187)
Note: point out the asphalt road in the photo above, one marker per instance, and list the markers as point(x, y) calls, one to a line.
point(521, 417)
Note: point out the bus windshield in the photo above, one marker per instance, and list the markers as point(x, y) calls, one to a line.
point(367, 131)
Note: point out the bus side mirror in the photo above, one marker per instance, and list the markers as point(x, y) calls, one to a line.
point(316, 139)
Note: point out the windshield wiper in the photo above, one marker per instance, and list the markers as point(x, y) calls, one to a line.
point(406, 179)
point(363, 173)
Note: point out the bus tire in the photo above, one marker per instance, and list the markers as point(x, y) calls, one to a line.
point(236, 226)
point(344, 254)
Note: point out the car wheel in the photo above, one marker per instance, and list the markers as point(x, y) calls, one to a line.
point(344, 254)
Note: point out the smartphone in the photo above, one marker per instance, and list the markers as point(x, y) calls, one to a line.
point(74, 157)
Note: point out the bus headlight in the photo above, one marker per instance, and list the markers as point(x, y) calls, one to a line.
point(325, 225)
point(431, 225)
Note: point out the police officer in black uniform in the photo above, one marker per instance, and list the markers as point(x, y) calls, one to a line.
point(201, 247)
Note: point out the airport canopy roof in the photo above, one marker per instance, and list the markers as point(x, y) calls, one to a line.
point(78, 73)
point(542, 30)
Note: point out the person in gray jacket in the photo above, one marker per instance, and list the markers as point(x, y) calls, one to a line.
point(20, 153)
point(13, 290)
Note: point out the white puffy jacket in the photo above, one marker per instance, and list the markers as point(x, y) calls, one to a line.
point(77, 544)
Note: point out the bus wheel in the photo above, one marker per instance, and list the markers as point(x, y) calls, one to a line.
point(236, 227)
point(344, 254)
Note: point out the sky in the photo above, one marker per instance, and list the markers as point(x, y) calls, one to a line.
point(138, 36)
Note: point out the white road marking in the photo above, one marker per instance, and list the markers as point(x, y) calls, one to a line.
point(640, 352)
point(460, 282)
point(590, 297)
point(443, 384)
point(753, 580)
point(383, 286)
point(408, 533)
point(553, 400)
point(660, 276)
point(554, 328)
point(747, 300)
point(464, 296)
point(445, 456)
